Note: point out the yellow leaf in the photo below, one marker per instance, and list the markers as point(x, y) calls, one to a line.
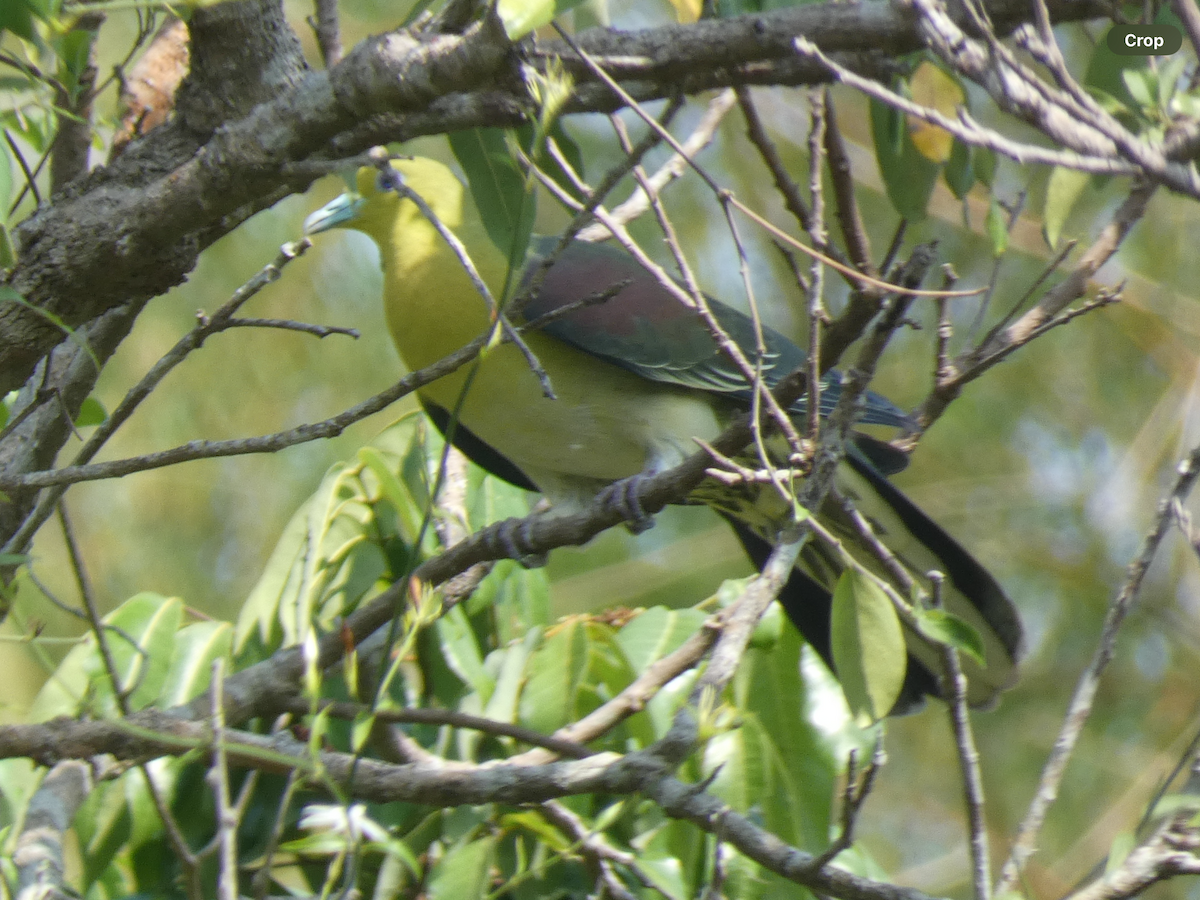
point(933, 88)
point(523, 16)
point(687, 11)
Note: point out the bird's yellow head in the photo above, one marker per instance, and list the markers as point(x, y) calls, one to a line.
point(377, 210)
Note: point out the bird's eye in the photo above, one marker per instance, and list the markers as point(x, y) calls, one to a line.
point(387, 182)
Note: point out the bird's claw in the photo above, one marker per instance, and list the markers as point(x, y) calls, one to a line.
point(513, 537)
point(623, 496)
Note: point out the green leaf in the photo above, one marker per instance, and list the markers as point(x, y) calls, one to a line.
point(536, 824)
point(383, 467)
point(17, 16)
point(461, 652)
point(263, 612)
point(506, 204)
point(502, 706)
point(1062, 193)
point(960, 172)
point(1169, 74)
point(770, 628)
point(1171, 804)
point(91, 412)
point(519, 599)
point(196, 647)
point(492, 499)
point(1106, 71)
point(104, 826)
point(868, 645)
point(150, 622)
point(984, 162)
point(360, 731)
point(555, 672)
point(1122, 843)
point(5, 184)
point(659, 859)
point(357, 526)
point(18, 781)
point(747, 880)
point(656, 632)
point(948, 629)
point(741, 760)
point(608, 671)
point(908, 176)
point(464, 873)
point(997, 227)
point(395, 873)
point(1140, 85)
point(523, 16)
point(782, 699)
point(145, 824)
point(8, 253)
point(73, 50)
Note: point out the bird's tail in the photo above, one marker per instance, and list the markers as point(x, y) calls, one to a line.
point(969, 591)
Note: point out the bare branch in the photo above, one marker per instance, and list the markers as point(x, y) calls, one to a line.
point(1085, 691)
point(39, 851)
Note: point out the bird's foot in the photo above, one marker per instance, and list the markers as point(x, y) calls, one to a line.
point(623, 496)
point(514, 539)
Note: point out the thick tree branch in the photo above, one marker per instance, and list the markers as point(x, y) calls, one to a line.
point(153, 733)
point(135, 229)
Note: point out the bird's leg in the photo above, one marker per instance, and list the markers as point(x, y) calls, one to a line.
point(514, 539)
point(623, 496)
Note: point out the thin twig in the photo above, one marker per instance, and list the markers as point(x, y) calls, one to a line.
point(325, 26)
point(121, 694)
point(635, 696)
point(1089, 680)
point(159, 733)
point(261, 882)
point(218, 781)
point(1014, 214)
point(176, 355)
point(971, 363)
point(969, 131)
point(343, 709)
point(759, 593)
point(784, 184)
point(77, 566)
point(639, 201)
point(816, 280)
point(752, 373)
point(841, 174)
point(602, 854)
point(968, 756)
point(854, 796)
point(1050, 268)
point(30, 177)
point(726, 196)
point(1107, 297)
point(321, 331)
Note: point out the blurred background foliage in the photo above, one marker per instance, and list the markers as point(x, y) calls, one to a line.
point(1049, 468)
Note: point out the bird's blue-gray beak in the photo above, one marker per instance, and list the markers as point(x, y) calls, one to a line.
point(338, 211)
